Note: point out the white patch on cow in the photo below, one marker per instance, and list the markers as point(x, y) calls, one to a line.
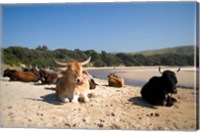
point(86, 99)
point(75, 98)
point(60, 75)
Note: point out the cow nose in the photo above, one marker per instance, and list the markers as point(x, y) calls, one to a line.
point(79, 80)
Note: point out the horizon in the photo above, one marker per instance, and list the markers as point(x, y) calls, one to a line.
point(110, 27)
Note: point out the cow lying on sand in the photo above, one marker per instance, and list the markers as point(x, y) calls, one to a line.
point(92, 83)
point(115, 81)
point(49, 77)
point(159, 89)
point(16, 75)
point(73, 84)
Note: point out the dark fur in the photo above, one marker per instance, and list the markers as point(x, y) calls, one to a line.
point(48, 77)
point(33, 70)
point(157, 90)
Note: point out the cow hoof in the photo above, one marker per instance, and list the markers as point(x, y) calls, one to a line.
point(163, 103)
point(169, 105)
point(87, 99)
point(74, 101)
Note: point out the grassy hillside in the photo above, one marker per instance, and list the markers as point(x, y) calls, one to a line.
point(178, 50)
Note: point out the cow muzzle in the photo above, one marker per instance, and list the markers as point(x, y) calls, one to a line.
point(79, 80)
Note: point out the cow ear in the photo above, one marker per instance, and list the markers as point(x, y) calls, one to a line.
point(178, 69)
point(87, 61)
point(61, 63)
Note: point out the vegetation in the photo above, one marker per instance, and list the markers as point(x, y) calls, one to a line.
point(178, 50)
point(41, 56)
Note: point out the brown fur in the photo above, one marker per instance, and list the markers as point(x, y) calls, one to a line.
point(115, 81)
point(68, 89)
point(48, 77)
point(16, 75)
point(93, 84)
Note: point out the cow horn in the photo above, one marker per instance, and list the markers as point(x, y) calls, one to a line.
point(178, 69)
point(60, 63)
point(87, 61)
point(22, 65)
point(36, 67)
point(159, 69)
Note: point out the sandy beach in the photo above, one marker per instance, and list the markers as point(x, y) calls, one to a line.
point(31, 105)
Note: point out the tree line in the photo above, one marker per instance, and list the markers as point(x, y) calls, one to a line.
point(43, 57)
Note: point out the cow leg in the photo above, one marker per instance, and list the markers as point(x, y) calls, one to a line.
point(85, 96)
point(75, 98)
point(170, 101)
point(163, 103)
point(173, 99)
point(63, 98)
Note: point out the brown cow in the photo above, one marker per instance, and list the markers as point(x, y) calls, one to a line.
point(92, 83)
point(49, 77)
point(73, 84)
point(16, 75)
point(115, 81)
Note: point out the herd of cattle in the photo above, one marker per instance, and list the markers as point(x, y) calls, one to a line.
point(74, 83)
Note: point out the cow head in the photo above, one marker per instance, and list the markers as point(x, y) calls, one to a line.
point(74, 70)
point(35, 71)
point(8, 72)
point(112, 75)
point(170, 78)
point(43, 75)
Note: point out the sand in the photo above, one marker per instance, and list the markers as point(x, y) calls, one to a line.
point(31, 105)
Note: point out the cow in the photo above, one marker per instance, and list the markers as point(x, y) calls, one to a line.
point(48, 77)
point(115, 81)
point(159, 90)
point(16, 75)
point(24, 67)
point(73, 84)
point(34, 70)
point(92, 83)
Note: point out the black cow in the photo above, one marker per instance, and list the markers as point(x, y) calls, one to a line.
point(159, 89)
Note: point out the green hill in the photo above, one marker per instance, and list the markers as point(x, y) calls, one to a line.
point(42, 57)
point(188, 50)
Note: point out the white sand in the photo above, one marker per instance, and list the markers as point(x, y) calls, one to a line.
point(30, 105)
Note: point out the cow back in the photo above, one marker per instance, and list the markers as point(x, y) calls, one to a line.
point(115, 81)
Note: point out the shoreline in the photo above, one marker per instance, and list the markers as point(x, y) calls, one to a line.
point(138, 76)
point(186, 68)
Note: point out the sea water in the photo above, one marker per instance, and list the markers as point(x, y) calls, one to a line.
point(103, 74)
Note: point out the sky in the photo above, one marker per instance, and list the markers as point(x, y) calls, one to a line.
point(110, 27)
